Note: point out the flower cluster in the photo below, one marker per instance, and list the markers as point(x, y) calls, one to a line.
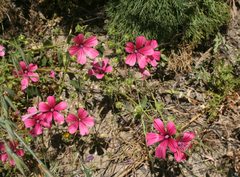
point(47, 112)
point(27, 72)
point(177, 146)
point(13, 146)
point(143, 55)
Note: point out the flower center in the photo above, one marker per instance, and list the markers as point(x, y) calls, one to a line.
point(166, 136)
point(81, 45)
point(79, 119)
point(181, 145)
point(135, 51)
point(14, 150)
point(37, 121)
point(52, 109)
point(25, 71)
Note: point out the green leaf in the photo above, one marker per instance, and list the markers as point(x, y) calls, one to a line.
point(75, 84)
point(10, 102)
point(9, 130)
point(81, 83)
point(86, 170)
point(144, 102)
point(207, 175)
point(4, 106)
point(44, 61)
point(60, 61)
point(9, 91)
point(33, 91)
point(48, 42)
point(100, 49)
point(23, 55)
point(230, 173)
point(69, 38)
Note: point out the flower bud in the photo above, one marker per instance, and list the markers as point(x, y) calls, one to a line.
point(21, 37)
point(119, 105)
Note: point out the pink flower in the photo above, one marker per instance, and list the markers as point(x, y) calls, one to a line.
point(100, 71)
point(84, 47)
point(51, 109)
point(27, 72)
point(165, 136)
point(183, 143)
point(81, 121)
point(144, 72)
point(136, 52)
point(4, 156)
point(52, 73)
point(37, 121)
point(156, 55)
point(1, 53)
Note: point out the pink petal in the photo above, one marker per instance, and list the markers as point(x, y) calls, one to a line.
point(73, 50)
point(25, 81)
point(147, 50)
point(48, 117)
point(153, 63)
point(4, 157)
point(17, 112)
point(52, 73)
point(43, 107)
point(92, 53)
point(61, 106)
point(2, 147)
point(89, 121)
point(46, 124)
point(25, 117)
point(71, 118)
point(91, 72)
point(154, 44)
point(171, 129)
point(83, 129)
point(23, 65)
point(20, 153)
point(188, 136)
point(131, 59)
point(104, 63)
point(153, 138)
point(38, 129)
point(96, 65)
point(82, 113)
point(12, 162)
point(51, 101)
point(178, 155)
point(156, 55)
point(1, 48)
point(81, 58)
point(32, 110)
point(34, 79)
point(140, 40)
point(172, 144)
point(2, 54)
point(73, 128)
point(142, 62)
point(29, 122)
point(79, 39)
point(148, 42)
point(99, 76)
point(130, 47)
point(92, 41)
point(32, 67)
point(144, 72)
point(158, 125)
point(161, 149)
point(32, 133)
point(58, 117)
point(108, 69)
point(23, 88)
